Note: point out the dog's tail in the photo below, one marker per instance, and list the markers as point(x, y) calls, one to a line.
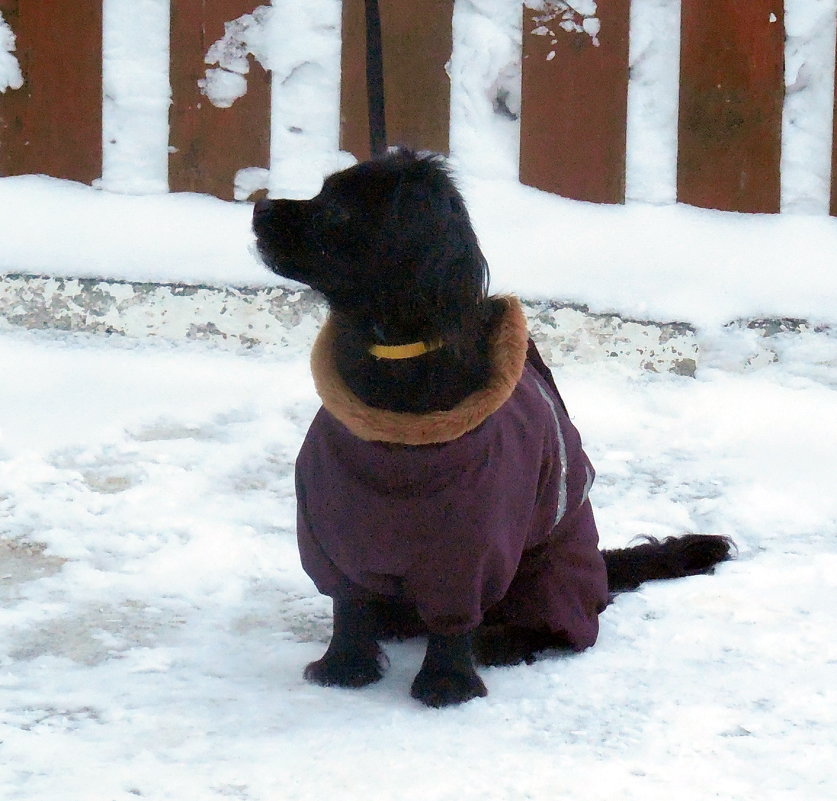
point(674, 557)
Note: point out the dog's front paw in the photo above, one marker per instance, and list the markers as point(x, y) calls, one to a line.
point(342, 669)
point(437, 688)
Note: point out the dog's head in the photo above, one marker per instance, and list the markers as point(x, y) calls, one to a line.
point(388, 242)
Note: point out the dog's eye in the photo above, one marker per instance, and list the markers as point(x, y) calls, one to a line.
point(331, 216)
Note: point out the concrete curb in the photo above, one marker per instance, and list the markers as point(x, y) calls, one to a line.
point(275, 318)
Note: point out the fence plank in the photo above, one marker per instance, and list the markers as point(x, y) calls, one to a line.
point(417, 40)
point(731, 95)
point(834, 147)
point(11, 101)
point(53, 124)
point(210, 144)
point(574, 103)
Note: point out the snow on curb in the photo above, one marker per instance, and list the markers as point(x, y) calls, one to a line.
point(277, 317)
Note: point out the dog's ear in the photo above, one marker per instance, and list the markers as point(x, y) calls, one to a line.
point(460, 294)
point(451, 272)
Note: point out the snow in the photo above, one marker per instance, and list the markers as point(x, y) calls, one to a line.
point(809, 85)
point(575, 17)
point(657, 262)
point(653, 88)
point(242, 37)
point(10, 76)
point(187, 237)
point(154, 618)
point(135, 108)
point(644, 261)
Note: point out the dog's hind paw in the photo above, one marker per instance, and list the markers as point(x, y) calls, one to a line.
point(346, 670)
point(503, 645)
point(437, 689)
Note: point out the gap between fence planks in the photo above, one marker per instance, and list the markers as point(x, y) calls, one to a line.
point(834, 145)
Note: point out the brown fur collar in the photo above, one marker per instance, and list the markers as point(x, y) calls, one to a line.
point(508, 356)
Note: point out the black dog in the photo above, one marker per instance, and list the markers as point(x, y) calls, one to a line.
point(442, 488)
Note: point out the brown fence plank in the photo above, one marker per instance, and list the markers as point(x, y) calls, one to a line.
point(417, 40)
point(731, 95)
point(574, 104)
point(834, 148)
point(53, 124)
point(209, 144)
point(12, 100)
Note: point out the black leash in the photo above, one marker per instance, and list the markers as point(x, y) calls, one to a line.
point(375, 80)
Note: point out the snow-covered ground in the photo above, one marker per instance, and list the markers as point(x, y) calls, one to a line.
point(154, 619)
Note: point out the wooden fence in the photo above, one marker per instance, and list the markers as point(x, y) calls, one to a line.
point(574, 97)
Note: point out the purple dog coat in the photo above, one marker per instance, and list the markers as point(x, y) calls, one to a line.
point(479, 511)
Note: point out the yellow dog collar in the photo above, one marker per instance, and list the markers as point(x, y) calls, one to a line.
point(405, 351)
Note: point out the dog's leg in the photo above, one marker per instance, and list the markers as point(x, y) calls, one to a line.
point(353, 657)
point(447, 675)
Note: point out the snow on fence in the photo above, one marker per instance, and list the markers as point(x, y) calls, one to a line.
point(572, 110)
